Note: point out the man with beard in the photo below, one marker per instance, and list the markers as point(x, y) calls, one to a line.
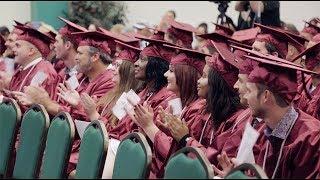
point(272, 87)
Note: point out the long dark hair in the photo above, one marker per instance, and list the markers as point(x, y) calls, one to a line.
point(155, 69)
point(222, 100)
point(186, 79)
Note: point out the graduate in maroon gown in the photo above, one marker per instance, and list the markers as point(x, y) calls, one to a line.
point(274, 41)
point(65, 48)
point(153, 63)
point(31, 48)
point(184, 70)
point(292, 138)
point(92, 54)
point(223, 131)
point(180, 34)
point(309, 101)
point(124, 79)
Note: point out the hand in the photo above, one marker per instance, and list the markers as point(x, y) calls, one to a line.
point(177, 128)
point(89, 106)
point(70, 96)
point(144, 115)
point(226, 163)
point(22, 98)
point(5, 78)
point(37, 94)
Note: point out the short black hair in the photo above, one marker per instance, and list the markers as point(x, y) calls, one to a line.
point(155, 69)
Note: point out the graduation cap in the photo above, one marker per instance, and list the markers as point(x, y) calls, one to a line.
point(279, 77)
point(311, 56)
point(157, 34)
point(132, 40)
point(128, 52)
point(267, 56)
point(182, 31)
point(246, 36)
point(297, 37)
point(95, 39)
point(217, 37)
point(189, 57)
point(277, 38)
point(226, 63)
point(18, 23)
point(70, 27)
point(223, 29)
point(40, 40)
point(16, 30)
point(154, 39)
point(158, 50)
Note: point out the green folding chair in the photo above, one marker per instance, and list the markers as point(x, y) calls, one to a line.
point(33, 131)
point(58, 147)
point(93, 150)
point(10, 117)
point(188, 163)
point(134, 148)
point(238, 172)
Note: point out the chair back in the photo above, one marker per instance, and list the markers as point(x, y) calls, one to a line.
point(238, 172)
point(10, 117)
point(134, 148)
point(93, 150)
point(188, 163)
point(33, 131)
point(58, 147)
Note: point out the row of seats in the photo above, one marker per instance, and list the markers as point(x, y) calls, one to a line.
point(44, 150)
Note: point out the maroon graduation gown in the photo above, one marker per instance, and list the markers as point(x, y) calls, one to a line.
point(164, 145)
point(97, 87)
point(301, 153)
point(22, 78)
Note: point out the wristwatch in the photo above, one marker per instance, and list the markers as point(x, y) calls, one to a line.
point(183, 141)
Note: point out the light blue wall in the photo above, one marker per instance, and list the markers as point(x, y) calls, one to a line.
point(48, 12)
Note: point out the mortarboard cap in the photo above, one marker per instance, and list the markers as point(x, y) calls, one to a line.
point(189, 57)
point(226, 63)
point(267, 56)
point(277, 38)
point(223, 30)
point(182, 31)
point(40, 40)
point(280, 78)
point(128, 52)
point(246, 36)
point(95, 39)
point(70, 27)
point(312, 56)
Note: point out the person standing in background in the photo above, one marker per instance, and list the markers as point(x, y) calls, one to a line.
point(264, 12)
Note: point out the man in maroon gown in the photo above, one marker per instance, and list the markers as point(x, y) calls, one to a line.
point(65, 49)
point(290, 139)
point(309, 101)
point(31, 48)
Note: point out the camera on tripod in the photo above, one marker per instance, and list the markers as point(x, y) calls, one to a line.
point(223, 6)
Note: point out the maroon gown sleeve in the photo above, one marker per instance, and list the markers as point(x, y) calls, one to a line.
point(99, 87)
